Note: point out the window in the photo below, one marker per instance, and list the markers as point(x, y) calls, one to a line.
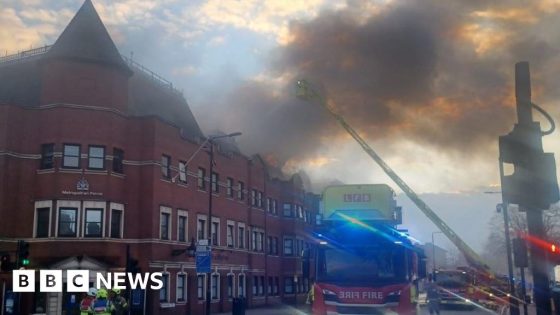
point(201, 229)
point(288, 247)
point(200, 286)
point(215, 232)
point(71, 158)
point(183, 172)
point(163, 292)
point(254, 240)
point(181, 292)
point(240, 191)
point(273, 245)
point(215, 286)
point(201, 175)
point(164, 225)
point(165, 164)
point(116, 223)
point(182, 228)
point(96, 157)
point(229, 187)
point(230, 278)
point(269, 286)
point(288, 285)
point(268, 205)
point(229, 233)
point(241, 236)
point(261, 286)
point(255, 285)
point(241, 286)
point(94, 223)
point(259, 199)
point(274, 209)
point(257, 240)
point(43, 219)
point(287, 210)
point(276, 285)
point(67, 218)
point(215, 184)
point(118, 156)
point(47, 160)
point(260, 239)
point(253, 197)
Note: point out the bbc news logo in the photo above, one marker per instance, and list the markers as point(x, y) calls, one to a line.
point(78, 280)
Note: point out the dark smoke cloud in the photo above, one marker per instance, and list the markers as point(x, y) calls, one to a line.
point(407, 72)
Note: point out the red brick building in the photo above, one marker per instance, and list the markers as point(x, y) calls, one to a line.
point(93, 152)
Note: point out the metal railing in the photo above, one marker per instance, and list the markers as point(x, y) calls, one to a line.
point(152, 75)
point(24, 55)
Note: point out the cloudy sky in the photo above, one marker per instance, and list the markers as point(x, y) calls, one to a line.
point(428, 83)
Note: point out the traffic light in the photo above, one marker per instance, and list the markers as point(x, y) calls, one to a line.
point(520, 258)
point(22, 254)
point(552, 248)
point(5, 263)
point(533, 183)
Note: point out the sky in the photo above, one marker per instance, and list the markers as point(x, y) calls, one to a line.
point(429, 84)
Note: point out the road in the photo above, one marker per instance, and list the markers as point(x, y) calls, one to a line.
point(289, 310)
point(459, 312)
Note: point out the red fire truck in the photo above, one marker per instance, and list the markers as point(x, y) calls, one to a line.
point(457, 287)
point(364, 264)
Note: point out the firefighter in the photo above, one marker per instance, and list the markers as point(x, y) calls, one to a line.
point(433, 298)
point(87, 301)
point(119, 302)
point(101, 305)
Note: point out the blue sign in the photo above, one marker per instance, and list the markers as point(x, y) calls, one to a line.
point(137, 298)
point(203, 261)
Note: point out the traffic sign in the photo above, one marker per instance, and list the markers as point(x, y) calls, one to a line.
point(203, 262)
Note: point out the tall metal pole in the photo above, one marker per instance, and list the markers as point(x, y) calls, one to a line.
point(535, 225)
point(523, 291)
point(434, 252)
point(514, 308)
point(433, 256)
point(209, 280)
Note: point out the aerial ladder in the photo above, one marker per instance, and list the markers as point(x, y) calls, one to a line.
point(306, 92)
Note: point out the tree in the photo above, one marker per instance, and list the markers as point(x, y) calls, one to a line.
point(494, 252)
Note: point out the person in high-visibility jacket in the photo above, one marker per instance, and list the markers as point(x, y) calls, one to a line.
point(119, 302)
point(87, 301)
point(311, 294)
point(101, 305)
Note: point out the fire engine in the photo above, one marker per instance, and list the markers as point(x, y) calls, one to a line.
point(363, 263)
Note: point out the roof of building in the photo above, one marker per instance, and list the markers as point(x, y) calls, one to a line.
point(85, 38)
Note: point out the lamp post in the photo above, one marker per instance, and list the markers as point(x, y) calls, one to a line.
point(503, 207)
point(434, 253)
point(210, 140)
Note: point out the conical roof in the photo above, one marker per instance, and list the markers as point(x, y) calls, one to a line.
point(86, 39)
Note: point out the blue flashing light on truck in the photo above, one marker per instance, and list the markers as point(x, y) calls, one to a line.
point(364, 264)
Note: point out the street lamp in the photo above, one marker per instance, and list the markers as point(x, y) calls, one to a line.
point(503, 207)
point(434, 253)
point(211, 154)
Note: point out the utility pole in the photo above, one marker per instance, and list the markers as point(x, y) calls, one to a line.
point(514, 303)
point(210, 241)
point(533, 185)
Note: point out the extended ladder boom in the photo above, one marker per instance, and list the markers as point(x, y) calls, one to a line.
point(307, 93)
